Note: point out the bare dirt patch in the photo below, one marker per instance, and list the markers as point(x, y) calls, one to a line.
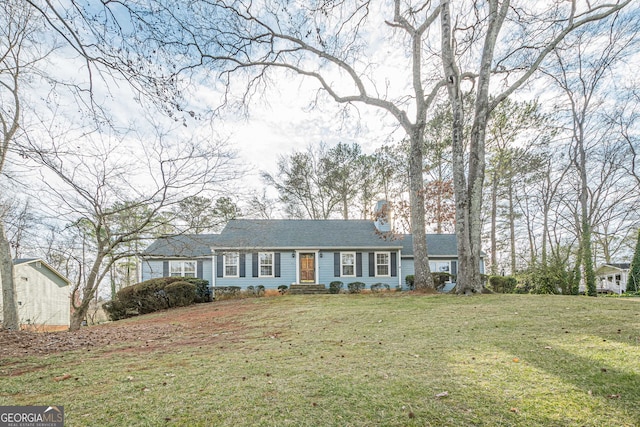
point(202, 323)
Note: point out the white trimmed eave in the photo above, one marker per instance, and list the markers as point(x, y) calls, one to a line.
point(53, 270)
point(305, 248)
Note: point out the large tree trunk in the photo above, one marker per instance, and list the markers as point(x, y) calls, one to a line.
point(423, 280)
point(585, 240)
point(462, 199)
point(494, 222)
point(345, 207)
point(468, 188)
point(512, 224)
point(79, 314)
point(10, 319)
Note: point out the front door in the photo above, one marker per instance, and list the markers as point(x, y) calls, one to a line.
point(307, 268)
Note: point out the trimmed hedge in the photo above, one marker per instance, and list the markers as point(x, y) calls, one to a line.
point(439, 279)
point(157, 294)
point(355, 287)
point(379, 287)
point(180, 294)
point(410, 281)
point(203, 291)
point(335, 287)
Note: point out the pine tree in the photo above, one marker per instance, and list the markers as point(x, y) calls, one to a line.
point(633, 284)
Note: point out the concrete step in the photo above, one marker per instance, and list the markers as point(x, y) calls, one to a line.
point(302, 289)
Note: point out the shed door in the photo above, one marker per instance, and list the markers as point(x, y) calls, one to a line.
point(307, 268)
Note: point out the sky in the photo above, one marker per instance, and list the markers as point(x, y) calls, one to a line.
point(277, 123)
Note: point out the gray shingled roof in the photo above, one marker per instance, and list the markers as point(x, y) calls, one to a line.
point(619, 265)
point(182, 245)
point(437, 245)
point(294, 234)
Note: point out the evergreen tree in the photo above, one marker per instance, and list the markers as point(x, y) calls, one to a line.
point(633, 284)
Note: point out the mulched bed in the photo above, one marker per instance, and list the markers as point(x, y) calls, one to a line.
point(199, 323)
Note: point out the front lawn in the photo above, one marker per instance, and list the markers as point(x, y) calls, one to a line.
point(351, 360)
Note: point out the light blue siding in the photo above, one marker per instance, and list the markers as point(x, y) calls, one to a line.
point(287, 274)
point(152, 269)
point(407, 269)
point(327, 272)
point(207, 270)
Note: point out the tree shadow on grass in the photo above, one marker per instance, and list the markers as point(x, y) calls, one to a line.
point(620, 387)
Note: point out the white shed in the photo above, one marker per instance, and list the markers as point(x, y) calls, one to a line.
point(43, 296)
point(612, 278)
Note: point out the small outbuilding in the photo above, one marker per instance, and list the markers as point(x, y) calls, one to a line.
point(612, 278)
point(43, 296)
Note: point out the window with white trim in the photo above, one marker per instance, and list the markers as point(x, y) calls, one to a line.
point(441, 267)
point(265, 264)
point(383, 260)
point(231, 263)
point(348, 264)
point(182, 268)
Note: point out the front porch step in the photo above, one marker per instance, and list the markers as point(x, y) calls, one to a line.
point(302, 289)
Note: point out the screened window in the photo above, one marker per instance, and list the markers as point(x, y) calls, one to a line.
point(382, 263)
point(182, 268)
point(348, 264)
point(266, 264)
point(439, 266)
point(231, 263)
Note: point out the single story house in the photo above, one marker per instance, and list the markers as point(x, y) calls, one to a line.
point(253, 252)
point(43, 296)
point(612, 278)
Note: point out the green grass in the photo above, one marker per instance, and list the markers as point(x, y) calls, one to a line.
point(363, 360)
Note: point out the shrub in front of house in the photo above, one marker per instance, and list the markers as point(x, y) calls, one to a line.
point(115, 309)
point(283, 289)
point(439, 279)
point(203, 291)
point(227, 292)
point(335, 287)
point(153, 295)
point(355, 287)
point(255, 291)
point(379, 287)
point(410, 281)
point(145, 297)
point(180, 294)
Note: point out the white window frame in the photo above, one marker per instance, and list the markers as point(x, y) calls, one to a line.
point(183, 271)
point(226, 264)
point(343, 264)
point(387, 264)
point(262, 264)
point(436, 267)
